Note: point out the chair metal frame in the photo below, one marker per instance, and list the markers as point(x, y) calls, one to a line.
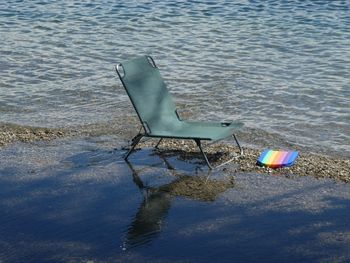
point(136, 139)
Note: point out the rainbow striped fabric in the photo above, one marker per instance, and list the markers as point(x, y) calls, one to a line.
point(277, 159)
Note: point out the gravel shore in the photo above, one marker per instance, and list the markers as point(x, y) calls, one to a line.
point(308, 163)
point(10, 133)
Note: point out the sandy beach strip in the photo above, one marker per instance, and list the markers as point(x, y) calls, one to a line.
point(308, 163)
point(10, 133)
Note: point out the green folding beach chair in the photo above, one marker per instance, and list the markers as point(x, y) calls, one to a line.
point(157, 112)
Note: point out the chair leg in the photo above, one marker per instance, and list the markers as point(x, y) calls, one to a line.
point(160, 140)
point(135, 141)
point(235, 157)
point(239, 146)
point(198, 142)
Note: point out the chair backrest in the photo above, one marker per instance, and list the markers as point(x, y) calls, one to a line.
point(149, 94)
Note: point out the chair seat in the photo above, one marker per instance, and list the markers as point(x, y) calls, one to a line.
point(196, 130)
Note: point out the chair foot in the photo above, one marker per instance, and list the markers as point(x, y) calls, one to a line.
point(134, 142)
point(198, 142)
point(239, 146)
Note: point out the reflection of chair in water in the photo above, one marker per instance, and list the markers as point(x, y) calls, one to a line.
point(147, 223)
point(154, 208)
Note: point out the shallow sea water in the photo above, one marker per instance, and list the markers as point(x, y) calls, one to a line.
point(279, 66)
point(78, 201)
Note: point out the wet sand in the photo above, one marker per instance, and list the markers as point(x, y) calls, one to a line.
point(308, 163)
point(10, 133)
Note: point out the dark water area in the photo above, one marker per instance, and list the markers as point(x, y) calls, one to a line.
point(278, 66)
point(78, 201)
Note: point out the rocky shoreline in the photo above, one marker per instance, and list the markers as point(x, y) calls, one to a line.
point(10, 133)
point(308, 163)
